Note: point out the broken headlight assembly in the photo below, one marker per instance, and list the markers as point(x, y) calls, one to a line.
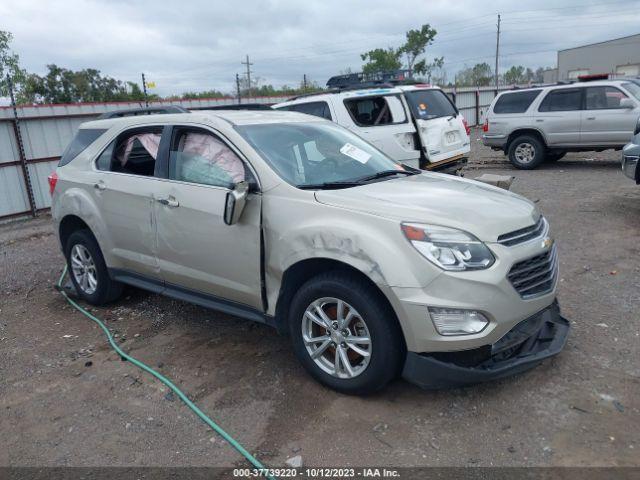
point(448, 248)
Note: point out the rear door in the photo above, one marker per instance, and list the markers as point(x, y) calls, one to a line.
point(123, 187)
point(197, 251)
point(440, 125)
point(559, 116)
point(604, 122)
point(382, 120)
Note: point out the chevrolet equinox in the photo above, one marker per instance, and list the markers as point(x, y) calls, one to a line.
point(372, 268)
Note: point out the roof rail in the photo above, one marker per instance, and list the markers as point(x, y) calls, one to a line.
point(143, 111)
point(367, 80)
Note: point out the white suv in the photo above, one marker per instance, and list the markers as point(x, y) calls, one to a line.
point(414, 124)
point(544, 123)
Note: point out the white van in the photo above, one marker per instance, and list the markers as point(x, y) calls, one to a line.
point(413, 124)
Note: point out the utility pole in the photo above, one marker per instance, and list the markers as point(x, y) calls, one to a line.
point(497, 53)
point(238, 88)
point(248, 64)
point(304, 83)
point(144, 89)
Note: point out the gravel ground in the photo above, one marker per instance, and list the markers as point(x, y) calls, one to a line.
point(68, 400)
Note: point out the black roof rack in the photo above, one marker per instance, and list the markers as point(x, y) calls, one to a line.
point(143, 111)
point(368, 80)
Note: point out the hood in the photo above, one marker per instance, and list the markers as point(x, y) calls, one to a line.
point(480, 209)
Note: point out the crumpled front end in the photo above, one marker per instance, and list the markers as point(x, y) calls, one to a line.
point(534, 339)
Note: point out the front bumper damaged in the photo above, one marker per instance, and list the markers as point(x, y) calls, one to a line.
point(541, 336)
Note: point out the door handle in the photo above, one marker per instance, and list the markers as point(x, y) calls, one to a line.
point(169, 202)
point(591, 118)
point(99, 185)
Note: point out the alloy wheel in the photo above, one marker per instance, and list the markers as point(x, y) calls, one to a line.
point(336, 337)
point(525, 153)
point(84, 269)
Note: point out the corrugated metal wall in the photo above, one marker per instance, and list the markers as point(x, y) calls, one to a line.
point(47, 129)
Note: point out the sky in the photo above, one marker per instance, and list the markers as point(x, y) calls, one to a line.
point(196, 45)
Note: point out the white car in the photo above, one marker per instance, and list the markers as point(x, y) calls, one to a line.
point(414, 124)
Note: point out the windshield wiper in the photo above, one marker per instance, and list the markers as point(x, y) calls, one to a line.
point(384, 173)
point(356, 182)
point(329, 185)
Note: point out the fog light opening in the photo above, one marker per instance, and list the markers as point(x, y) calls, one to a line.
point(454, 321)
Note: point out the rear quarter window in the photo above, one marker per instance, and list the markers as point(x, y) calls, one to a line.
point(84, 138)
point(516, 102)
point(318, 109)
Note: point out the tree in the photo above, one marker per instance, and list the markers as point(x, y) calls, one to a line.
point(381, 60)
point(515, 75)
point(416, 44)
point(480, 75)
point(389, 59)
point(61, 85)
point(9, 65)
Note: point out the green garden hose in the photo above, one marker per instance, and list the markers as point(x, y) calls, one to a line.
point(164, 380)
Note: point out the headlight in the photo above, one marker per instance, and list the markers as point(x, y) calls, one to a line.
point(448, 248)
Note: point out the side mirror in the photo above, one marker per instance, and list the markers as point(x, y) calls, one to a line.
point(627, 103)
point(235, 203)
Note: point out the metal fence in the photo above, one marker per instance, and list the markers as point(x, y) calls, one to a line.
point(47, 129)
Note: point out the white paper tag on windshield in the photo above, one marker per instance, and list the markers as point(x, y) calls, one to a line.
point(355, 153)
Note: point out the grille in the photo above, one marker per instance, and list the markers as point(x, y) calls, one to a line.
point(524, 234)
point(535, 276)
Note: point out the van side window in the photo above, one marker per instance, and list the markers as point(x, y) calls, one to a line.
point(318, 109)
point(516, 102)
point(198, 156)
point(602, 98)
point(562, 100)
point(133, 153)
point(376, 111)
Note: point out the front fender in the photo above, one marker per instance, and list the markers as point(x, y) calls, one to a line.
point(371, 244)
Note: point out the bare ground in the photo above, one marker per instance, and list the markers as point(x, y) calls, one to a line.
point(67, 400)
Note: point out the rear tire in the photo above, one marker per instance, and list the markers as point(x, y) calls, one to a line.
point(526, 152)
point(88, 271)
point(343, 334)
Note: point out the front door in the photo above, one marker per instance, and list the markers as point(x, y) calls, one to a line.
point(197, 251)
point(604, 122)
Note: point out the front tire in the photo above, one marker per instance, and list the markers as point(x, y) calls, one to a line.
point(344, 334)
point(526, 152)
point(88, 271)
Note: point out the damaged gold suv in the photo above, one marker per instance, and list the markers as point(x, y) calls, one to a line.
point(374, 269)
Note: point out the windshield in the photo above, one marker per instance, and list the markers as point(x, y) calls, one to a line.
point(313, 154)
point(428, 104)
point(633, 89)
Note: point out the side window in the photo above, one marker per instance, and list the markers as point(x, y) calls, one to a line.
point(84, 138)
point(601, 98)
point(562, 100)
point(134, 153)
point(376, 111)
point(198, 156)
point(319, 109)
point(517, 102)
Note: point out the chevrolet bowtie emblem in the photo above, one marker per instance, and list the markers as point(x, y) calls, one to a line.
point(547, 242)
